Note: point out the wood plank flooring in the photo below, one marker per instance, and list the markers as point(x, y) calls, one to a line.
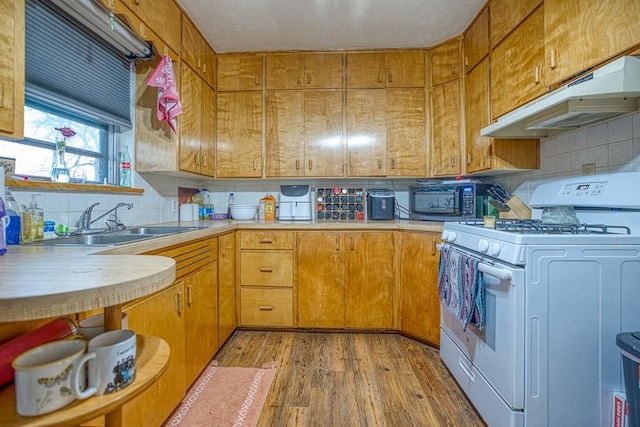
point(338, 379)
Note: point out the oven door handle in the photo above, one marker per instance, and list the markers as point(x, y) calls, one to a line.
point(491, 271)
point(495, 272)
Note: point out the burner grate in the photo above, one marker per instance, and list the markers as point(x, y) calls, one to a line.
point(536, 226)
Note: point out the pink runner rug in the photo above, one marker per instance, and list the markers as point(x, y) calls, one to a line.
point(225, 397)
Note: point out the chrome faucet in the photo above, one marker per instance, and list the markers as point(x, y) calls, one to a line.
point(85, 221)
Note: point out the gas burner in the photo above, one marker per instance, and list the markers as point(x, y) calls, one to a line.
point(536, 226)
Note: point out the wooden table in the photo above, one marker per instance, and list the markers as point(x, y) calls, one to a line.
point(36, 284)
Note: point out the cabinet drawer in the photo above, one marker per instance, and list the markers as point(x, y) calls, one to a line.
point(266, 240)
point(266, 268)
point(266, 307)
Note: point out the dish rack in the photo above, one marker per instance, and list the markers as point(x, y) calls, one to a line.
point(341, 204)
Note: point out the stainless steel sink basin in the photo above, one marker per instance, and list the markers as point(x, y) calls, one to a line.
point(155, 230)
point(95, 239)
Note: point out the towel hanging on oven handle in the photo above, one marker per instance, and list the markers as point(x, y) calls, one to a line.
point(490, 270)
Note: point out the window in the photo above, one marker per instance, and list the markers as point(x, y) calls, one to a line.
point(72, 79)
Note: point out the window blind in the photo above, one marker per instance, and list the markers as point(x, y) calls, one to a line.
point(68, 66)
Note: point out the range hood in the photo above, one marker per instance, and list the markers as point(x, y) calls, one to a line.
point(607, 92)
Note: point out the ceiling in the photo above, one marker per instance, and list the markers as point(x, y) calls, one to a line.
point(277, 25)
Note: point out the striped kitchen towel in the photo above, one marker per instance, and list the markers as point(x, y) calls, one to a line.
point(461, 287)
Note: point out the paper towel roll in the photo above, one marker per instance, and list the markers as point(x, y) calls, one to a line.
point(186, 212)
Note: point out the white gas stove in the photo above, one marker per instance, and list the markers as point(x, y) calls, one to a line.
point(556, 296)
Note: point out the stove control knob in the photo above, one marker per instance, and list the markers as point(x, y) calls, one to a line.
point(451, 236)
point(483, 245)
point(445, 235)
point(494, 249)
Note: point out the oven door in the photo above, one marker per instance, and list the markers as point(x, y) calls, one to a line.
point(491, 360)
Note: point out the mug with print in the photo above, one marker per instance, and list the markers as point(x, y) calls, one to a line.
point(43, 376)
point(111, 358)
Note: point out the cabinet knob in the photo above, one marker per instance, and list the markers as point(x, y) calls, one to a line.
point(553, 60)
point(466, 61)
point(297, 165)
point(390, 77)
point(257, 81)
point(337, 243)
point(178, 300)
point(453, 162)
point(308, 78)
point(189, 295)
point(310, 164)
point(536, 74)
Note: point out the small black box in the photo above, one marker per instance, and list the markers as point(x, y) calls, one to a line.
point(381, 204)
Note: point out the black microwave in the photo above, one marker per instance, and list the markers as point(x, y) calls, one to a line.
point(448, 202)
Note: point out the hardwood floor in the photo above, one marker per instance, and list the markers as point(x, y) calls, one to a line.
point(331, 379)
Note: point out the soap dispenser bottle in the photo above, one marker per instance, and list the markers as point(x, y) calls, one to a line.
point(14, 229)
point(33, 222)
point(3, 222)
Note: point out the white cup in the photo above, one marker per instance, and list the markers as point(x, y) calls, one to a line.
point(93, 326)
point(111, 357)
point(43, 376)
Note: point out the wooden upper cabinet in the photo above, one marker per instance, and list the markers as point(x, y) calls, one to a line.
point(12, 42)
point(304, 71)
point(161, 16)
point(476, 40)
point(366, 132)
point(390, 69)
point(239, 72)
point(517, 66)
point(406, 138)
point(239, 135)
point(446, 140)
point(505, 15)
point(197, 53)
point(583, 33)
point(445, 62)
point(304, 133)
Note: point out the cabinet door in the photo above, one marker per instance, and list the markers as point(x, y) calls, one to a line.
point(404, 69)
point(285, 137)
point(323, 148)
point(208, 140)
point(323, 71)
point(366, 70)
point(406, 146)
point(285, 71)
point(195, 51)
point(320, 280)
point(476, 117)
point(161, 315)
point(445, 63)
point(162, 16)
point(239, 72)
point(239, 135)
point(476, 40)
point(201, 320)
point(369, 280)
point(366, 132)
point(226, 286)
point(517, 66)
point(583, 33)
point(419, 300)
point(507, 14)
point(445, 128)
point(190, 120)
point(12, 69)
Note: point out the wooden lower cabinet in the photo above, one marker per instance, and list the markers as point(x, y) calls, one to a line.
point(161, 315)
point(345, 279)
point(419, 301)
point(201, 319)
point(226, 286)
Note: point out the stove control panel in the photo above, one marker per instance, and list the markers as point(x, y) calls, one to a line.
point(489, 247)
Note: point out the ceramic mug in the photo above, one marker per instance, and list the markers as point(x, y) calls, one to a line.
point(43, 376)
point(111, 358)
point(93, 326)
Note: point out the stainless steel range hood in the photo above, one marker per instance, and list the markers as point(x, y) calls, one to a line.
point(607, 92)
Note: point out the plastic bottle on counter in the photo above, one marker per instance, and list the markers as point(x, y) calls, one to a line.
point(33, 222)
point(14, 229)
point(230, 203)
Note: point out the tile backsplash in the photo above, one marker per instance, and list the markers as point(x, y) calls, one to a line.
point(613, 146)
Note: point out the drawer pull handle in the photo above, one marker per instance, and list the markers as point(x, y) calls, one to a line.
point(266, 241)
point(266, 307)
point(266, 270)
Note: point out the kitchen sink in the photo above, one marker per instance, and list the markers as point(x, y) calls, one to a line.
point(112, 238)
point(155, 230)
